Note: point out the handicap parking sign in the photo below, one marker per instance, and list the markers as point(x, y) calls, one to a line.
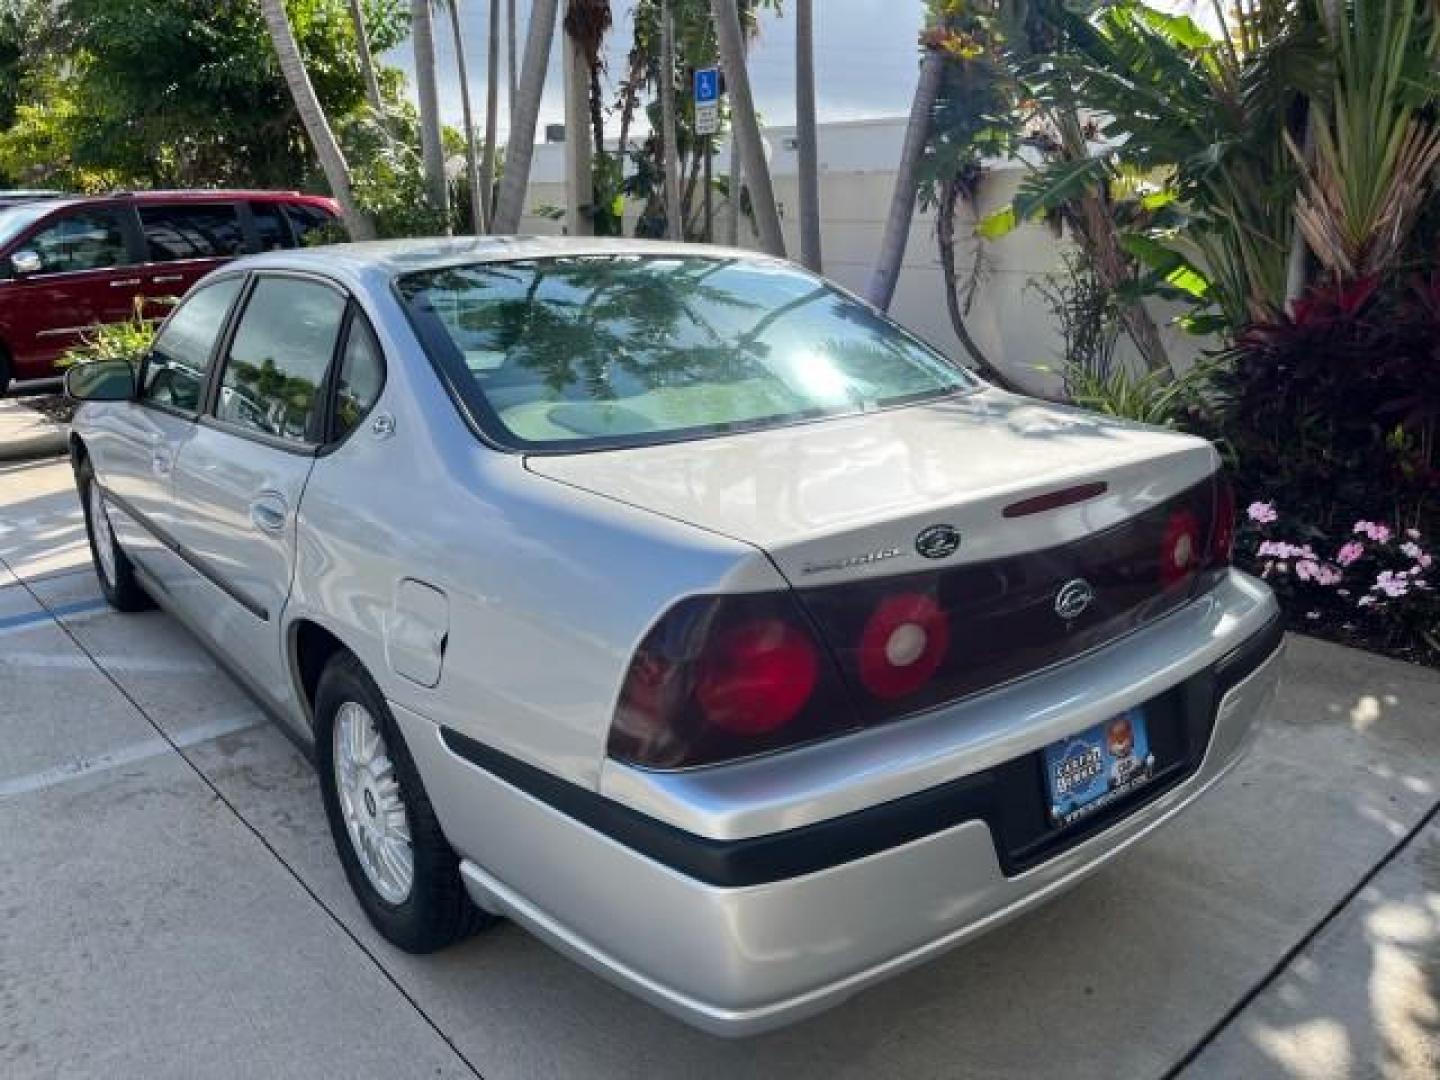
point(707, 85)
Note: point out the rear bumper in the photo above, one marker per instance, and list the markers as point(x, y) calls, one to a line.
point(720, 932)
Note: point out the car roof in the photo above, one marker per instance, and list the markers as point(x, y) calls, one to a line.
point(391, 257)
point(62, 200)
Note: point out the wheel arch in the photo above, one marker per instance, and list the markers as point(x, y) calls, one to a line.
point(311, 644)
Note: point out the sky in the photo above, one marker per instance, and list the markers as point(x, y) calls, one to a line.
point(865, 60)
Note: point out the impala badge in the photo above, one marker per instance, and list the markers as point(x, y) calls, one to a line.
point(1073, 598)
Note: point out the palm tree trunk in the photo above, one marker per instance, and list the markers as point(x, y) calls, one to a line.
point(579, 154)
point(886, 274)
point(512, 72)
point(747, 128)
point(950, 191)
point(317, 127)
point(492, 115)
point(521, 148)
point(735, 182)
point(669, 147)
point(367, 60)
point(472, 155)
point(806, 135)
point(432, 148)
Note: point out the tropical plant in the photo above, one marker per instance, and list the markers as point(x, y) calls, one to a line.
point(1201, 122)
point(129, 340)
point(322, 138)
point(1374, 147)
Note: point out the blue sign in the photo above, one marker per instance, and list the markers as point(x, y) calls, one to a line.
point(707, 86)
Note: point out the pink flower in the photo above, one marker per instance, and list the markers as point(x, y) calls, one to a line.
point(1327, 576)
point(1413, 534)
point(1365, 601)
point(1350, 552)
point(1412, 550)
point(1391, 584)
point(1279, 549)
point(1374, 530)
point(1262, 512)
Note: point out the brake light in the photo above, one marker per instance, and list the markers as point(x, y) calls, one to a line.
point(903, 644)
point(723, 677)
point(757, 676)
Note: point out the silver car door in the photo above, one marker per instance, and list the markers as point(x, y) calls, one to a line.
point(135, 444)
point(240, 476)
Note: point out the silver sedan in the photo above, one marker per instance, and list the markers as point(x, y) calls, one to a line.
point(674, 603)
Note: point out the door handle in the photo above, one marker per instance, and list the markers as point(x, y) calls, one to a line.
point(269, 512)
point(125, 283)
point(165, 279)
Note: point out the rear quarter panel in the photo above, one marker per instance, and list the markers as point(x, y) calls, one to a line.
point(549, 589)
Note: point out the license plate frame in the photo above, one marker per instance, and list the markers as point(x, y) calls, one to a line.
point(1096, 767)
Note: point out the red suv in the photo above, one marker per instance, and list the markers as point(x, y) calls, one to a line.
point(69, 264)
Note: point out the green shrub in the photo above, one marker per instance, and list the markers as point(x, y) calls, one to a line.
point(129, 340)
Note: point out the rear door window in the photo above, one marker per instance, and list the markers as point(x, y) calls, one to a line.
point(361, 378)
point(278, 359)
point(179, 361)
point(81, 240)
point(178, 231)
point(305, 219)
point(271, 227)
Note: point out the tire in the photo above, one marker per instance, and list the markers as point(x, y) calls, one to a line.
point(113, 568)
point(366, 798)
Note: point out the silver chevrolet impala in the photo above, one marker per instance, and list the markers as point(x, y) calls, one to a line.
point(674, 603)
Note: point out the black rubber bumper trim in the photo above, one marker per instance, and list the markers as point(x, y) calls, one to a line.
point(1003, 797)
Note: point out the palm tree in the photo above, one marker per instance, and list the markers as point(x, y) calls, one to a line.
point(367, 59)
point(472, 152)
point(512, 72)
point(492, 112)
point(511, 201)
point(432, 146)
point(747, 128)
point(586, 24)
point(883, 278)
point(669, 145)
point(317, 127)
point(806, 135)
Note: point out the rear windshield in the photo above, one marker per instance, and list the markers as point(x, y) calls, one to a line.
point(580, 352)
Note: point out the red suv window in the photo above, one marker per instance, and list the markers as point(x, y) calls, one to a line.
point(191, 230)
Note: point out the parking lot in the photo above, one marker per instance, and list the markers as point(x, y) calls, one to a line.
point(170, 903)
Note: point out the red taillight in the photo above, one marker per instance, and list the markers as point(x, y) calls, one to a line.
point(723, 677)
point(757, 676)
point(1180, 549)
point(904, 642)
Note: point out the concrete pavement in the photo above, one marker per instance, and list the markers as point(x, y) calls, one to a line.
point(26, 434)
point(171, 904)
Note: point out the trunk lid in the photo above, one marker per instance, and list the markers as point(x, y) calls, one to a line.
point(849, 499)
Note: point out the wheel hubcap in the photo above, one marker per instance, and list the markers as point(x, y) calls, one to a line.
point(370, 801)
point(104, 539)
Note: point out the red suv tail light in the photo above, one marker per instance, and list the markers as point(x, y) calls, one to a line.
point(722, 677)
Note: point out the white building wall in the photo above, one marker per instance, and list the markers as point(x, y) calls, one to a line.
point(1008, 319)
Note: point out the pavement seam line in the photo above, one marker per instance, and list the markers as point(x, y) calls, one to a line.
point(1291, 954)
point(255, 832)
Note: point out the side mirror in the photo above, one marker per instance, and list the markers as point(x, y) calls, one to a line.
point(25, 262)
point(102, 380)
